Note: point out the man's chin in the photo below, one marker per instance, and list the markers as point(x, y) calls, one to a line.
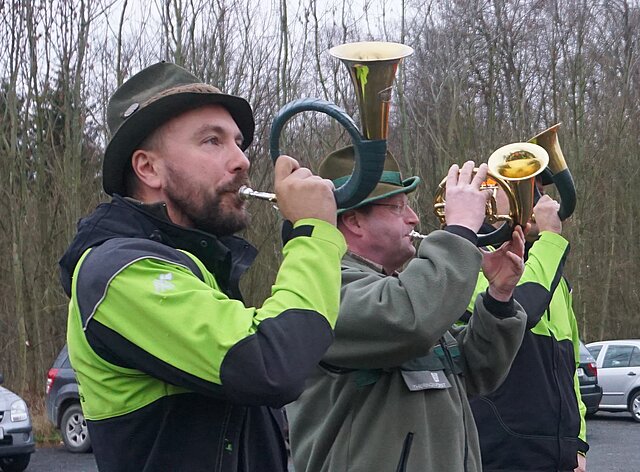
point(226, 224)
point(234, 224)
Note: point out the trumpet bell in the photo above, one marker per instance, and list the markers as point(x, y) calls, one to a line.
point(518, 161)
point(513, 169)
point(518, 164)
point(548, 139)
point(372, 67)
point(558, 172)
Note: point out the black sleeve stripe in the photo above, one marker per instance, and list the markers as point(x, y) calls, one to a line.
point(271, 366)
point(535, 298)
point(117, 350)
point(559, 272)
point(289, 233)
point(105, 262)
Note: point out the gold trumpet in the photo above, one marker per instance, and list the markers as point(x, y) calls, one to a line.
point(513, 168)
point(372, 67)
point(557, 172)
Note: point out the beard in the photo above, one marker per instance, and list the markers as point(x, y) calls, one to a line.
point(220, 211)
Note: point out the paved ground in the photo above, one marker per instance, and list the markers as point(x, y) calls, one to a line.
point(614, 440)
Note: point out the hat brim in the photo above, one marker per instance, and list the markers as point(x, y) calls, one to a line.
point(144, 121)
point(383, 190)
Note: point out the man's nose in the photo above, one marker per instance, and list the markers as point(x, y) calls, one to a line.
point(238, 161)
point(411, 217)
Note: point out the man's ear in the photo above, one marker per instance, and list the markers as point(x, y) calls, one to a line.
point(146, 166)
point(351, 221)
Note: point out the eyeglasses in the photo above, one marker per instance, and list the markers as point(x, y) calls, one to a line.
point(398, 209)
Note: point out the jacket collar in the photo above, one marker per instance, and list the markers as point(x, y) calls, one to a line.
point(368, 263)
point(226, 257)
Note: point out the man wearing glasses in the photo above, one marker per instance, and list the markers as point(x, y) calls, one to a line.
point(391, 392)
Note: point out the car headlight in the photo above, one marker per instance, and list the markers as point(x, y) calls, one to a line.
point(19, 411)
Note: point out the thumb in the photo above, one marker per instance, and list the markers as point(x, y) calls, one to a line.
point(284, 167)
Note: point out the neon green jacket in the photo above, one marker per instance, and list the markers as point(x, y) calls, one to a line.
point(535, 420)
point(175, 372)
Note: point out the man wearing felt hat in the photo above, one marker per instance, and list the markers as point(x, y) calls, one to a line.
point(175, 372)
point(391, 392)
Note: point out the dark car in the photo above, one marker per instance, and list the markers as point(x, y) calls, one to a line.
point(63, 405)
point(16, 434)
point(590, 391)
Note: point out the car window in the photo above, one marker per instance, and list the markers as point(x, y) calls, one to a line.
point(585, 355)
point(62, 361)
point(635, 358)
point(617, 356)
point(594, 350)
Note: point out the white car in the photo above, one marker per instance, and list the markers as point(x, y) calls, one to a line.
point(619, 374)
point(16, 435)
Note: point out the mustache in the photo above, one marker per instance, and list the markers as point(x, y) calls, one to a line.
point(234, 185)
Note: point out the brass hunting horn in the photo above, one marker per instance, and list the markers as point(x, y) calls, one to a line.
point(372, 66)
point(557, 172)
point(513, 168)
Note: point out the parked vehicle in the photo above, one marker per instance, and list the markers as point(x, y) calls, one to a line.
point(590, 391)
point(618, 374)
point(63, 404)
point(16, 435)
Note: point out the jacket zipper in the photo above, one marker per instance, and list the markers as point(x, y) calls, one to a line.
point(554, 350)
point(223, 438)
point(447, 354)
point(404, 456)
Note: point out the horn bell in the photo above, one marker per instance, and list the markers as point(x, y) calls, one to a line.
point(558, 170)
point(518, 164)
point(372, 66)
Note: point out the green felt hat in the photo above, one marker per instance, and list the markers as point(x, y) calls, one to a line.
point(338, 167)
point(149, 99)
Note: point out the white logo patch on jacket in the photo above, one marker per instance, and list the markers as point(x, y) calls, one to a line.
point(163, 283)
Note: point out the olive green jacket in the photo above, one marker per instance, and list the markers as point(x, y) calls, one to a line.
point(395, 333)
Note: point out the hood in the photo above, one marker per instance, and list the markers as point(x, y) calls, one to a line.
point(226, 257)
point(7, 397)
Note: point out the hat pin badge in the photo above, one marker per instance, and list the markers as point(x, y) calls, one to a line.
point(129, 111)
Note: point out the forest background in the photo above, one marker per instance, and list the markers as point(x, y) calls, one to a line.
point(484, 73)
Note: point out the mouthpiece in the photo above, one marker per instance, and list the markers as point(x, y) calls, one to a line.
point(416, 235)
point(246, 193)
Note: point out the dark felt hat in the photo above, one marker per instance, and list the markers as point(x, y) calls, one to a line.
point(149, 99)
point(338, 167)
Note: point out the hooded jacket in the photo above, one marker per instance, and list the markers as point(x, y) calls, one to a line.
point(174, 372)
point(543, 381)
